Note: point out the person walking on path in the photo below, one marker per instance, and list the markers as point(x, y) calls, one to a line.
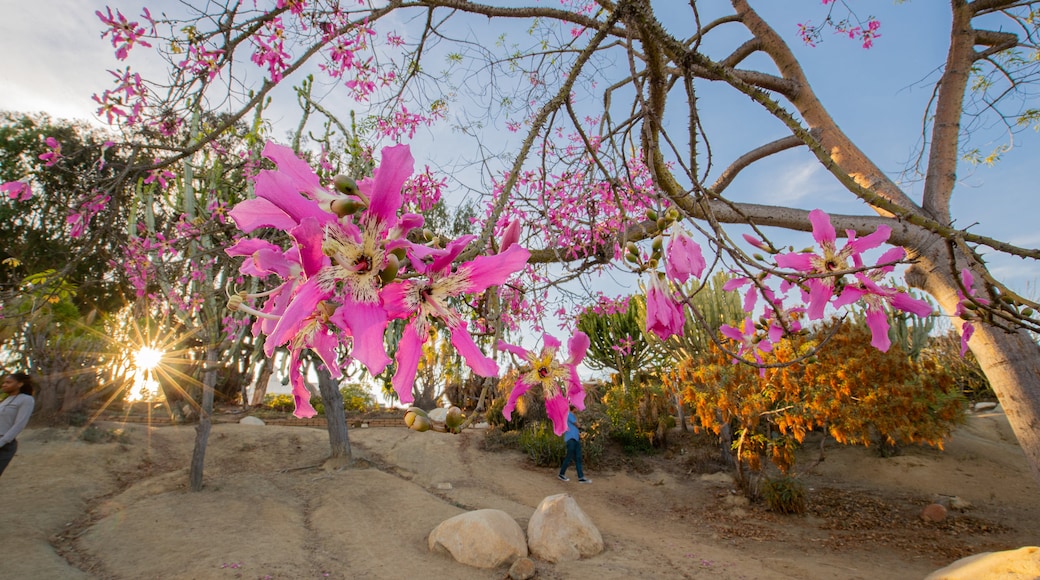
point(572, 438)
point(14, 413)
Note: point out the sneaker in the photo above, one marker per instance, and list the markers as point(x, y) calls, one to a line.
point(562, 477)
point(584, 480)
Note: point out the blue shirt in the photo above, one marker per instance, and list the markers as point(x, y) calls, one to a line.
point(572, 428)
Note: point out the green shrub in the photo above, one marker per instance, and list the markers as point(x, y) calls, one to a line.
point(356, 398)
point(784, 494)
point(542, 445)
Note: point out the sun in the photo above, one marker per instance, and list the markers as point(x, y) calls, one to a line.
point(147, 358)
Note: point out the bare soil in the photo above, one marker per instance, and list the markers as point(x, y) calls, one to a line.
point(120, 508)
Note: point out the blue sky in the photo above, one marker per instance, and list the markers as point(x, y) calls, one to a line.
point(877, 96)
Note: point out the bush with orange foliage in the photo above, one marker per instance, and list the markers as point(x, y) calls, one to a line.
point(858, 394)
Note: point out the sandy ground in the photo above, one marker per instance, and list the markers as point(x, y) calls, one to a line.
point(120, 509)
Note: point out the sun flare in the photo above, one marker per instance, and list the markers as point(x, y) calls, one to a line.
point(147, 358)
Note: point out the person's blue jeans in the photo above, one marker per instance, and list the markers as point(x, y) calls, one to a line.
point(6, 454)
point(573, 454)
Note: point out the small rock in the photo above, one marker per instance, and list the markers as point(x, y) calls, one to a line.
point(444, 486)
point(959, 504)
point(934, 512)
point(522, 569)
point(984, 406)
point(251, 421)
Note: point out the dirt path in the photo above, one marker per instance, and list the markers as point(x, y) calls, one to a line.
point(121, 510)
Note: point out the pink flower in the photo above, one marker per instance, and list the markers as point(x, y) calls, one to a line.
point(967, 328)
point(831, 260)
point(422, 300)
point(560, 383)
point(664, 315)
point(17, 190)
point(748, 339)
point(866, 289)
point(683, 257)
point(53, 156)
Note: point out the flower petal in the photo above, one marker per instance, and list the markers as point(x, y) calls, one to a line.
point(822, 230)
point(384, 187)
point(557, 408)
point(257, 213)
point(486, 271)
point(877, 320)
point(463, 343)
point(366, 323)
point(409, 350)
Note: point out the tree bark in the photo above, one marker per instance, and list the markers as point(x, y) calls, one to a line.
point(335, 420)
point(198, 455)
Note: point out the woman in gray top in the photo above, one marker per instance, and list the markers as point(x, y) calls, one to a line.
point(14, 413)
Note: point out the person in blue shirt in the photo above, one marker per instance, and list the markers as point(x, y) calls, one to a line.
point(572, 438)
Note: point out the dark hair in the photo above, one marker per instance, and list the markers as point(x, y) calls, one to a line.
point(27, 383)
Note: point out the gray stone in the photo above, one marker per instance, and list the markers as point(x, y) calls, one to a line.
point(1020, 564)
point(483, 538)
point(251, 421)
point(560, 531)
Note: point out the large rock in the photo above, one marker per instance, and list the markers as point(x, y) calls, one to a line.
point(559, 531)
point(438, 415)
point(1020, 564)
point(250, 420)
point(481, 538)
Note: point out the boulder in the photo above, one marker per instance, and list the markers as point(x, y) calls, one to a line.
point(437, 415)
point(483, 538)
point(559, 531)
point(251, 421)
point(1020, 564)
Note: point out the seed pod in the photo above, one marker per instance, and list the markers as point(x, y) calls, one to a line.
point(651, 215)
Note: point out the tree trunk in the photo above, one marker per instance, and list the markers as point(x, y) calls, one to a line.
point(198, 455)
point(260, 390)
point(1011, 362)
point(336, 421)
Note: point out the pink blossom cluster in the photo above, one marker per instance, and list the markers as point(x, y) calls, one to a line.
point(80, 215)
point(202, 62)
point(53, 156)
point(270, 50)
point(125, 33)
point(124, 103)
point(350, 268)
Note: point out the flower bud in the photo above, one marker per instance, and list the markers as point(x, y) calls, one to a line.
point(345, 184)
point(387, 274)
point(651, 215)
point(234, 301)
point(345, 206)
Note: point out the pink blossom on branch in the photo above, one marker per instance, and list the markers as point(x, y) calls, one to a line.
point(963, 310)
point(17, 190)
point(559, 381)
